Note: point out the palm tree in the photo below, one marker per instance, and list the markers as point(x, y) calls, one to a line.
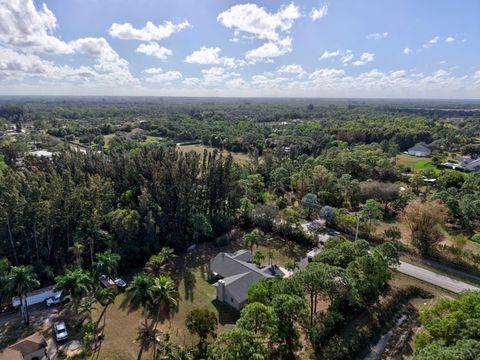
point(271, 255)
point(107, 263)
point(139, 293)
point(258, 258)
point(158, 263)
point(252, 239)
point(146, 337)
point(86, 307)
point(105, 297)
point(164, 294)
point(77, 249)
point(78, 283)
point(19, 281)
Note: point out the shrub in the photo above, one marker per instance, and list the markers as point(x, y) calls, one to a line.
point(476, 238)
point(294, 234)
point(222, 240)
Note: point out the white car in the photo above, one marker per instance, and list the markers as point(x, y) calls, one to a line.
point(60, 331)
point(121, 284)
point(57, 299)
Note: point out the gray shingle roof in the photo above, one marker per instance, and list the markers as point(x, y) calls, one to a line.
point(419, 147)
point(239, 273)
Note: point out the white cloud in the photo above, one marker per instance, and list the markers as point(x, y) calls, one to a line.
point(347, 56)
point(25, 28)
point(266, 81)
point(109, 63)
point(154, 49)
point(330, 54)
point(365, 58)
point(148, 33)
point(290, 69)
point(28, 67)
point(431, 42)
point(216, 75)
point(161, 77)
point(254, 20)
point(322, 74)
point(211, 56)
point(31, 30)
point(156, 70)
point(237, 83)
point(450, 40)
point(319, 13)
point(17, 66)
point(407, 51)
point(377, 36)
point(476, 77)
point(270, 50)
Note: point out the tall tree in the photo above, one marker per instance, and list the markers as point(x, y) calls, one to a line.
point(203, 323)
point(105, 297)
point(78, 283)
point(107, 263)
point(139, 293)
point(425, 221)
point(21, 280)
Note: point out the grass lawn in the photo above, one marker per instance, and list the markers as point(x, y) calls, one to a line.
point(194, 292)
point(409, 161)
point(190, 274)
point(415, 163)
point(240, 158)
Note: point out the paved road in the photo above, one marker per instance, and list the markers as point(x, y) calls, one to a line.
point(431, 277)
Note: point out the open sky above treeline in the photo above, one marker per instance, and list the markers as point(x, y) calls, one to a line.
point(344, 48)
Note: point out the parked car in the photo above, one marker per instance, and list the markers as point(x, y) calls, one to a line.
point(6, 308)
point(57, 299)
point(121, 284)
point(60, 330)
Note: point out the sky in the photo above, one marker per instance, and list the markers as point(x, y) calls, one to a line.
point(271, 48)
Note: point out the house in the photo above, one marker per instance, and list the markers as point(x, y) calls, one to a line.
point(235, 273)
point(450, 165)
point(42, 153)
point(32, 347)
point(419, 150)
point(470, 164)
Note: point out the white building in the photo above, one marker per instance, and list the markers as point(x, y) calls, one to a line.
point(419, 150)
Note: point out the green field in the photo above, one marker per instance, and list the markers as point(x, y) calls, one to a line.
point(414, 163)
point(240, 158)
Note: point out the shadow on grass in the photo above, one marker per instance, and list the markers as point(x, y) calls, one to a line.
point(226, 314)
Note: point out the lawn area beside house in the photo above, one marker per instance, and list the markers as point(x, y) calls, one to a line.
point(195, 291)
point(410, 161)
point(416, 163)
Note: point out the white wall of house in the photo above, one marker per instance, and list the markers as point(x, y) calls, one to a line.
point(418, 153)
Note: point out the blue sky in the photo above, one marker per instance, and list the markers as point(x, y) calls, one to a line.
point(337, 48)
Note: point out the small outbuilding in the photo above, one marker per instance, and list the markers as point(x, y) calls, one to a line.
point(419, 150)
point(32, 347)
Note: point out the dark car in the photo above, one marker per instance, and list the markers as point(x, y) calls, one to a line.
point(121, 284)
point(6, 308)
